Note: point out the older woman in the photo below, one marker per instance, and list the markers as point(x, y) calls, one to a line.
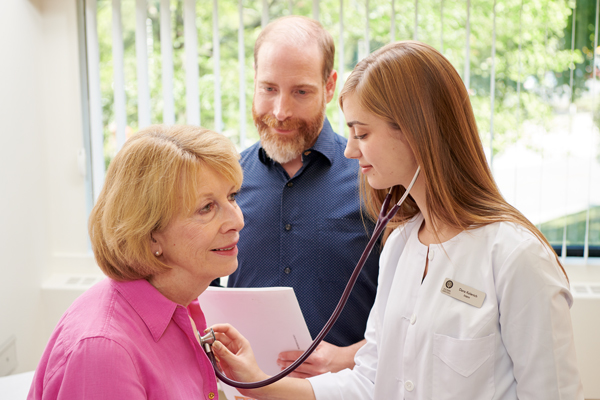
point(165, 225)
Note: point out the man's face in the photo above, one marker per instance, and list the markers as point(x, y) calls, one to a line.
point(289, 98)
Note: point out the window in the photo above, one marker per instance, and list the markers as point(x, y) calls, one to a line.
point(531, 69)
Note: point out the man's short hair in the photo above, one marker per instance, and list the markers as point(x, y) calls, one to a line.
point(302, 30)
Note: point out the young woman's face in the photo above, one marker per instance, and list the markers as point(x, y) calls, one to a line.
point(382, 152)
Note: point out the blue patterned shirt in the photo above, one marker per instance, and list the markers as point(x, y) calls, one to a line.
point(307, 232)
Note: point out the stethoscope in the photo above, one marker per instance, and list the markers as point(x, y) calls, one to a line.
point(207, 340)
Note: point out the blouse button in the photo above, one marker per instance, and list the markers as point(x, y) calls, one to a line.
point(408, 385)
point(431, 254)
point(290, 184)
point(211, 395)
point(288, 227)
point(413, 319)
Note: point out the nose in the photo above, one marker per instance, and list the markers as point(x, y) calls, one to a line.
point(233, 219)
point(282, 108)
point(352, 150)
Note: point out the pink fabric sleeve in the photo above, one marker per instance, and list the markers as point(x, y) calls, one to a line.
point(97, 368)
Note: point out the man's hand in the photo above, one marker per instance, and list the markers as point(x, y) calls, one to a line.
point(326, 358)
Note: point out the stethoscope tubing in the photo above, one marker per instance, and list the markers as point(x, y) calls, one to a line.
point(382, 221)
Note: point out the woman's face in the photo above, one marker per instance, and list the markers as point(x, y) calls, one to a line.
point(202, 244)
point(382, 152)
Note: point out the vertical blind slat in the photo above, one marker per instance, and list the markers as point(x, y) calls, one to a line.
point(242, 72)
point(586, 245)
point(264, 20)
point(341, 127)
point(467, 73)
point(118, 73)
point(192, 95)
point(96, 126)
point(518, 127)
point(442, 27)
point(393, 22)
point(141, 53)
point(544, 99)
point(217, 67)
point(493, 87)
point(166, 51)
point(416, 28)
point(571, 110)
point(367, 29)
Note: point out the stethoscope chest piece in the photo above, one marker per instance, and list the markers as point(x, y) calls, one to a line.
point(207, 340)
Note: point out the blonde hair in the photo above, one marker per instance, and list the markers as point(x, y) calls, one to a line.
point(417, 91)
point(300, 30)
point(155, 176)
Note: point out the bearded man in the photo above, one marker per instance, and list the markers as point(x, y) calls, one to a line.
point(300, 195)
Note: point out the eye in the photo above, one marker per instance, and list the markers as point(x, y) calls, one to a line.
point(302, 92)
point(206, 209)
point(360, 137)
point(233, 196)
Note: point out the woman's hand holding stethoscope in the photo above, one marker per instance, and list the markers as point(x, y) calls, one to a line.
point(239, 346)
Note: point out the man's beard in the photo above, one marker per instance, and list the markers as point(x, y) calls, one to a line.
point(285, 148)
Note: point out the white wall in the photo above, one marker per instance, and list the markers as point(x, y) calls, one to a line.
point(42, 194)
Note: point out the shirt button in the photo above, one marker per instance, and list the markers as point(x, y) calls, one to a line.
point(408, 385)
point(211, 395)
point(288, 227)
point(290, 184)
point(413, 319)
point(431, 254)
point(287, 270)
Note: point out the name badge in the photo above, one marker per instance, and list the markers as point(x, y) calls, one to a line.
point(463, 292)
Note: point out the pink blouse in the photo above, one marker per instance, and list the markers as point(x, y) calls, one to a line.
point(125, 340)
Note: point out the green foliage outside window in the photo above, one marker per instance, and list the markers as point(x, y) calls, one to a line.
point(533, 59)
point(542, 27)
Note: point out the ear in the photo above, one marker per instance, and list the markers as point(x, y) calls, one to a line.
point(330, 85)
point(155, 245)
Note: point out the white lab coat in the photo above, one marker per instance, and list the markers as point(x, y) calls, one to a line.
point(423, 344)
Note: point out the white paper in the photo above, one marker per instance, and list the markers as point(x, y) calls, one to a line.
point(270, 318)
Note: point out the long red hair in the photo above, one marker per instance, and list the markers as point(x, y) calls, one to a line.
point(417, 91)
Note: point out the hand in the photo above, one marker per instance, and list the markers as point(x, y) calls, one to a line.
point(326, 358)
point(235, 355)
point(238, 362)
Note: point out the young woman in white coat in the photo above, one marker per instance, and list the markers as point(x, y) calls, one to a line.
point(472, 303)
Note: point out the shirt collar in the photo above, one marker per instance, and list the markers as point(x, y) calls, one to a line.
point(153, 308)
point(324, 145)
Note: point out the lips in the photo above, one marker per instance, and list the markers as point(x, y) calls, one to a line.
point(365, 168)
point(229, 247)
point(283, 131)
point(224, 249)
